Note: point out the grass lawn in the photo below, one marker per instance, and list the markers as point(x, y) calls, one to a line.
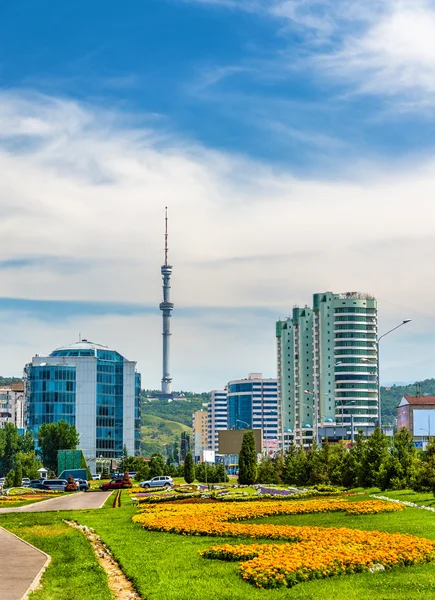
point(167, 566)
point(74, 571)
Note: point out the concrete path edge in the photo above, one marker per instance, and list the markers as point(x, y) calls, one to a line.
point(38, 576)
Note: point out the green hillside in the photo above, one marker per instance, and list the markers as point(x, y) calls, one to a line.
point(157, 433)
point(391, 396)
point(178, 410)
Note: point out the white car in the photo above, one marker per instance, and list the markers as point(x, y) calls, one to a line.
point(96, 477)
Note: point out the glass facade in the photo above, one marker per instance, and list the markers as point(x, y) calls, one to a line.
point(89, 392)
point(52, 391)
point(109, 400)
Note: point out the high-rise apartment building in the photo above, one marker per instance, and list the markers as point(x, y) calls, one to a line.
point(327, 366)
point(253, 404)
point(199, 433)
point(217, 418)
point(92, 387)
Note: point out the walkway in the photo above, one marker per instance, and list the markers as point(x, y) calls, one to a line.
point(73, 501)
point(22, 564)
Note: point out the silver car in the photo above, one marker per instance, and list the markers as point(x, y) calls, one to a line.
point(162, 481)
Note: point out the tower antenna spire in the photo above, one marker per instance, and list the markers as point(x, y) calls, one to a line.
point(166, 307)
point(166, 236)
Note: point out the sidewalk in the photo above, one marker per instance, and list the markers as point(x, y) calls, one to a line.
point(22, 566)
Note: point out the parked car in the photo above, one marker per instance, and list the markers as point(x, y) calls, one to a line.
point(114, 484)
point(37, 484)
point(54, 484)
point(96, 477)
point(162, 481)
point(25, 482)
point(82, 484)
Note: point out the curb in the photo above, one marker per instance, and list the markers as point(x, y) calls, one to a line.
point(38, 576)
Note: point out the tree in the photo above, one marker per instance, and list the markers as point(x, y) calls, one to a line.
point(399, 468)
point(157, 465)
point(27, 442)
point(266, 471)
point(189, 468)
point(142, 471)
point(10, 445)
point(248, 460)
point(53, 437)
point(18, 475)
point(9, 480)
point(30, 464)
point(375, 452)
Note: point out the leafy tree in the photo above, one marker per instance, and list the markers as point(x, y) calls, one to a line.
point(142, 470)
point(18, 474)
point(53, 437)
point(27, 442)
point(248, 460)
point(189, 468)
point(157, 465)
point(266, 471)
point(10, 445)
point(30, 464)
point(424, 479)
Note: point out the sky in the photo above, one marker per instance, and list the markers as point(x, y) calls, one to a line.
point(293, 142)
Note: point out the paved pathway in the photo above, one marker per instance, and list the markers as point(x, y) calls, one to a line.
point(73, 501)
point(22, 566)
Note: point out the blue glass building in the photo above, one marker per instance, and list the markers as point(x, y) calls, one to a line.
point(92, 387)
point(253, 404)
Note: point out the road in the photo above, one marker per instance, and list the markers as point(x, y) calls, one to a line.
point(73, 501)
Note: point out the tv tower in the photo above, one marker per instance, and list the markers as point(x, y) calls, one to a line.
point(166, 307)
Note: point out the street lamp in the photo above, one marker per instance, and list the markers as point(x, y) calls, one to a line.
point(343, 400)
point(404, 322)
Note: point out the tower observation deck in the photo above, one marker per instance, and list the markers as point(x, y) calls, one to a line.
point(166, 307)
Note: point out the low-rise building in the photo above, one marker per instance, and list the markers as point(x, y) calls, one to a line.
point(12, 404)
point(417, 413)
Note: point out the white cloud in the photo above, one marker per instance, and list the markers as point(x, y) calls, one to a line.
point(81, 185)
point(380, 47)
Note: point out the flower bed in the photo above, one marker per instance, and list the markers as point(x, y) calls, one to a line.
point(314, 552)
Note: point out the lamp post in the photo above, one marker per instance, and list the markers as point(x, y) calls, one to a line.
point(343, 400)
point(404, 322)
point(282, 417)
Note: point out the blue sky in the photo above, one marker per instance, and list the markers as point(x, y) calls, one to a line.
point(292, 141)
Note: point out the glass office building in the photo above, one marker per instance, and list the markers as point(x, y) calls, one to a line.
point(89, 386)
point(253, 404)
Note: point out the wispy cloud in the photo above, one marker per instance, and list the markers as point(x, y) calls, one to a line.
point(244, 236)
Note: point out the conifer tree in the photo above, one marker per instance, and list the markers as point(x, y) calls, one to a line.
point(248, 460)
point(189, 468)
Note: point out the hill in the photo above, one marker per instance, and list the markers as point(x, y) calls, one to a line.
point(391, 396)
point(157, 433)
point(178, 410)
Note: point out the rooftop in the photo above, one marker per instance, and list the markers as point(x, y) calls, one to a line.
point(420, 399)
point(83, 348)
